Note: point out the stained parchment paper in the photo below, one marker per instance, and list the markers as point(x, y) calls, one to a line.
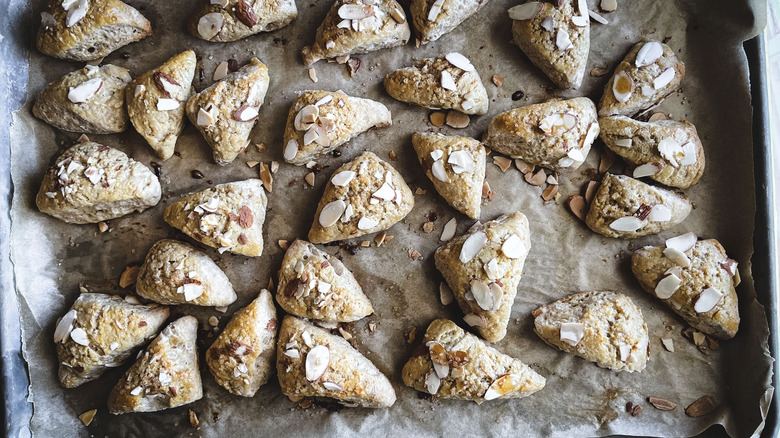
point(52, 259)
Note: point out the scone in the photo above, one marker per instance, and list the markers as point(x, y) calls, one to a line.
point(91, 182)
point(667, 151)
point(363, 196)
point(321, 121)
point(627, 208)
point(644, 78)
point(314, 285)
point(226, 112)
point(450, 363)
point(456, 166)
point(228, 217)
point(483, 267)
point(445, 82)
point(165, 376)
point(100, 332)
point(695, 279)
point(174, 273)
point(606, 328)
point(433, 19)
point(232, 20)
point(556, 134)
point(311, 362)
point(353, 27)
point(90, 100)
point(242, 358)
point(155, 102)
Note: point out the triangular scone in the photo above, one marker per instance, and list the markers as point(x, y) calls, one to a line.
point(556, 134)
point(555, 39)
point(228, 217)
point(155, 102)
point(91, 182)
point(434, 19)
point(100, 332)
point(226, 112)
point(672, 148)
point(695, 279)
point(445, 82)
point(644, 78)
point(456, 166)
point(483, 267)
point(451, 363)
point(174, 273)
point(89, 29)
point(311, 362)
point(353, 27)
point(603, 327)
point(232, 20)
point(243, 357)
point(627, 208)
point(165, 376)
point(314, 285)
point(363, 196)
point(321, 121)
point(90, 100)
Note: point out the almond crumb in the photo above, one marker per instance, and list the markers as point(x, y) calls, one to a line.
point(413, 254)
point(309, 178)
point(313, 75)
point(252, 163)
point(503, 163)
point(428, 227)
point(392, 156)
point(345, 334)
point(578, 206)
point(598, 72)
point(365, 243)
point(129, 276)
point(274, 166)
point(411, 335)
point(87, 417)
point(372, 326)
point(498, 80)
point(194, 422)
point(266, 178)
point(380, 238)
point(102, 226)
point(283, 244)
point(549, 193)
point(260, 147)
point(83, 139)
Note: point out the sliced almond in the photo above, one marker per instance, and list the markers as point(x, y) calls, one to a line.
point(678, 257)
point(472, 246)
point(664, 79)
point(355, 12)
point(649, 53)
point(313, 75)
point(85, 91)
point(580, 21)
point(623, 142)
point(87, 417)
point(317, 361)
point(205, 118)
point(607, 160)
point(498, 80)
point(129, 276)
point(474, 320)
point(331, 213)
point(647, 169)
point(572, 332)
point(667, 286)
point(562, 40)
point(449, 230)
point(210, 25)
point(670, 150)
point(398, 14)
point(482, 294)
point(64, 326)
point(702, 406)
point(79, 336)
point(291, 149)
point(706, 301)
point(628, 224)
point(668, 344)
point(522, 166)
point(445, 294)
point(461, 161)
point(536, 179)
point(683, 242)
point(432, 383)
point(366, 223)
point(622, 87)
point(246, 114)
point(503, 163)
point(660, 213)
point(457, 119)
point(221, 71)
point(447, 81)
point(167, 104)
point(513, 247)
point(608, 5)
point(526, 11)
point(661, 404)
point(597, 17)
point(139, 90)
point(590, 191)
point(501, 386)
point(459, 61)
point(343, 178)
point(550, 192)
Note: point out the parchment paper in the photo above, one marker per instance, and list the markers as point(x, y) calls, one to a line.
point(52, 259)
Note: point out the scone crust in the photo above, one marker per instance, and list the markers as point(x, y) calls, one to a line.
point(271, 15)
point(452, 14)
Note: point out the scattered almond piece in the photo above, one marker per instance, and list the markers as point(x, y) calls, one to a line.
point(365, 243)
point(486, 190)
point(608, 5)
point(266, 178)
point(503, 163)
point(87, 417)
point(371, 326)
point(379, 239)
point(578, 206)
point(83, 139)
point(598, 72)
point(274, 167)
point(309, 178)
point(270, 283)
point(313, 75)
point(607, 160)
point(342, 59)
point(420, 191)
point(345, 334)
point(194, 422)
point(457, 119)
point(284, 244)
point(213, 321)
point(392, 156)
point(129, 276)
point(305, 403)
point(549, 193)
point(413, 254)
point(668, 344)
point(656, 117)
point(498, 80)
point(702, 406)
point(590, 191)
point(354, 65)
point(221, 71)
point(252, 163)
point(428, 227)
point(411, 335)
point(536, 179)
point(522, 166)
point(552, 178)
point(661, 404)
point(260, 147)
point(437, 118)
point(102, 227)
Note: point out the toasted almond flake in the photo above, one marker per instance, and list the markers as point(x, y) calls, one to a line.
point(578, 206)
point(608, 5)
point(85, 91)
point(313, 75)
point(500, 387)
point(48, 20)
point(438, 171)
point(291, 149)
point(664, 79)
point(128, 276)
point(386, 192)
point(649, 53)
point(622, 87)
point(702, 406)
point(343, 178)
point(355, 12)
point(457, 119)
point(706, 301)
point(445, 294)
point(647, 169)
point(522, 166)
point(576, 155)
point(667, 286)
point(437, 118)
point(309, 178)
point(550, 192)
point(79, 336)
point(662, 404)
point(526, 11)
point(607, 160)
point(252, 164)
point(221, 71)
point(503, 163)
point(292, 353)
point(379, 239)
point(331, 213)
point(628, 224)
point(472, 246)
point(552, 179)
point(366, 223)
point(191, 291)
point(498, 295)
point(76, 14)
point(678, 257)
point(668, 344)
point(459, 61)
point(572, 332)
point(246, 113)
point(475, 320)
point(167, 104)
point(623, 142)
point(513, 247)
point(210, 25)
point(660, 213)
point(498, 80)
point(683, 242)
point(536, 179)
point(87, 417)
point(447, 81)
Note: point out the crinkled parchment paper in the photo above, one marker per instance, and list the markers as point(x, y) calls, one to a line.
point(51, 259)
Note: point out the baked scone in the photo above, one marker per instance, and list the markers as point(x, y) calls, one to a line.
point(434, 19)
point(174, 273)
point(232, 20)
point(451, 363)
point(90, 100)
point(555, 37)
point(483, 267)
point(91, 182)
point(321, 121)
point(311, 362)
point(695, 279)
point(314, 285)
point(100, 332)
point(627, 208)
point(353, 27)
point(85, 30)
point(556, 134)
point(242, 358)
point(165, 376)
point(606, 328)
point(667, 151)
point(446, 82)
point(226, 112)
point(456, 166)
point(155, 102)
point(228, 217)
point(363, 196)
point(644, 78)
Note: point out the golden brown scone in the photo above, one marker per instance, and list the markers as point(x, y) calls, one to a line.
point(228, 217)
point(321, 121)
point(155, 102)
point(91, 182)
point(90, 100)
point(242, 358)
point(450, 363)
point(456, 166)
point(165, 376)
point(483, 267)
point(695, 279)
point(363, 196)
point(100, 332)
point(311, 362)
point(85, 30)
point(226, 112)
point(603, 327)
point(232, 20)
point(434, 19)
point(353, 27)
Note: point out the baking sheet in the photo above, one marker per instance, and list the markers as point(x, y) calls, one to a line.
point(52, 259)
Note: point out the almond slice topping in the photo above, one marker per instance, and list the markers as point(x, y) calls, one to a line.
point(331, 213)
point(660, 213)
point(79, 336)
point(246, 113)
point(526, 11)
point(355, 12)
point(706, 302)
point(291, 149)
point(664, 78)
point(317, 361)
point(562, 40)
point(678, 257)
point(482, 294)
point(449, 230)
point(513, 247)
point(649, 53)
point(447, 81)
point(435, 10)
point(385, 193)
point(475, 320)
point(459, 61)
point(437, 169)
point(472, 246)
point(167, 104)
point(683, 242)
point(210, 25)
point(205, 118)
point(623, 142)
point(64, 326)
point(343, 178)
point(500, 387)
point(366, 223)
point(667, 286)
point(461, 162)
point(84, 91)
point(622, 87)
point(432, 382)
point(647, 169)
point(628, 224)
point(498, 295)
point(670, 150)
point(572, 332)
